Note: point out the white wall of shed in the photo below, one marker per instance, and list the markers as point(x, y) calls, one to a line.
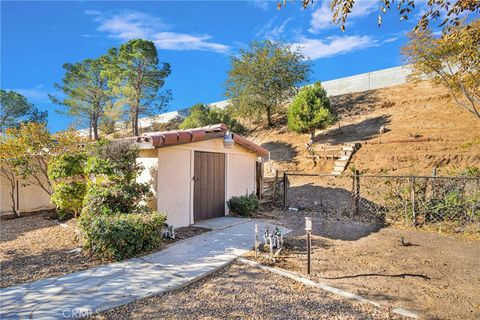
point(175, 170)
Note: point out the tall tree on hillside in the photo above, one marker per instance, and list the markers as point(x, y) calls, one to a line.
point(85, 87)
point(310, 110)
point(15, 109)
point(136, 77)
point(453, 64)
point(265, 76)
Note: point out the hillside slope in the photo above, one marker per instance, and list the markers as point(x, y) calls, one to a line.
point(425, 129)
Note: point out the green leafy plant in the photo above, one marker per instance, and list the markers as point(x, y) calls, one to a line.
point(244, 205)
point(67, 165)
point(310, 110)
point(68, 197)
point(264, 77)
point(15, 110)
point(471, 172)
point(202, 115)
point(69, 183)
point(122, 236)
point(117, 198)
point(115, 220)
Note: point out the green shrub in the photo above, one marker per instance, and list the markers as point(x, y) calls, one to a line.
point(203, 115)
point(116, 198)
point(66, 172)
point(120, 158)
point(66, 166)
point(122, 236)
point(68, 198)
point(452, 206)
point(244, 205)
point(115, 220)
point(99, 166)
point(471, 172)
point(310, 110)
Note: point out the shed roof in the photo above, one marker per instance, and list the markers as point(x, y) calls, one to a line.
point(162, 139)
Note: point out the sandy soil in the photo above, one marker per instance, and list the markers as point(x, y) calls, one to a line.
point(241, 292)
point(37, 247)
point(434, 275)
point(408, 111)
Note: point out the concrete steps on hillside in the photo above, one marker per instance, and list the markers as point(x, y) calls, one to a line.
point(345, 154)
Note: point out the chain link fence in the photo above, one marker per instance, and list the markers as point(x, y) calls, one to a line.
point(440, 203)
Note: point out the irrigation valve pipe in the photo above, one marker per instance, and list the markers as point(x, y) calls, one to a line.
point(308, 230)
point(256, 241)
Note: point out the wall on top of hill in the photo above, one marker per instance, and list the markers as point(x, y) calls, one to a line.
point(367, 81)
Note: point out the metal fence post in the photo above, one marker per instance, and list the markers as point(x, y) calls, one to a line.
point(285, 188)
point(357, 191)
point(308, 230)
point(414, 205)
point(353, 195)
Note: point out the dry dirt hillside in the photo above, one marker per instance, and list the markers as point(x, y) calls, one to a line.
point(424, 129)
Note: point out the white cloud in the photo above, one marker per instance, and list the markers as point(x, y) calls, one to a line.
point(260, 4)
point(322, 17)
point(35, 94)
point(332, 46)
point(182, 41)
point(270, 32)
point(134, 25)
point(92, 12)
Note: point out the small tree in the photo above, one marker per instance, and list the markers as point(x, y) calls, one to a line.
point(15, 110)
point(204, 115)
point(9, 156)
point(310, 110)
point(30, 147)
point(69, 183)
point(451, 60)
point(264, 77)
point(116, 221)
point(136, 77)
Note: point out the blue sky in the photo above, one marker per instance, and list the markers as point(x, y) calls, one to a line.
point(196, 38)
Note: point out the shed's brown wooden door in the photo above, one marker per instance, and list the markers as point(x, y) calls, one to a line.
point(209, 185)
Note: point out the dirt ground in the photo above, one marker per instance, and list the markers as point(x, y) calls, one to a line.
point(425, 129)
point(37, 247)
point(242, 292)
point(434, 275)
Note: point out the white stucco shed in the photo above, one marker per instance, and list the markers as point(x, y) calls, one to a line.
point(194, 172)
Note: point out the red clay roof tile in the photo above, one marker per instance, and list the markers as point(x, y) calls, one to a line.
point(170, 138)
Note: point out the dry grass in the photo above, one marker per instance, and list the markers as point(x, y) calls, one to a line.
point(408, 110)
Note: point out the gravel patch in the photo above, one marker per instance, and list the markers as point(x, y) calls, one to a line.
point(244, 292)
point(37, 247)
point(432, 274)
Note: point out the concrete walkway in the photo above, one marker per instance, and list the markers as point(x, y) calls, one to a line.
point(86, 292)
